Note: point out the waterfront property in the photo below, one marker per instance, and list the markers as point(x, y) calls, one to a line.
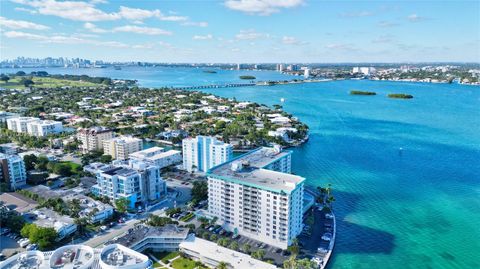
point(204, 152)
point(255, 195)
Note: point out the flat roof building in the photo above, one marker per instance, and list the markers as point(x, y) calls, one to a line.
point(12, 171)
point(158, 156)
point(120, 147)
point(92, 139)
point(212, 254)
point(256, 196)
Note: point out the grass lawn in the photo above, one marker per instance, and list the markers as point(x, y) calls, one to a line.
point(74, 167)
point(165, 256)
point(184, 263)
point(46, 82)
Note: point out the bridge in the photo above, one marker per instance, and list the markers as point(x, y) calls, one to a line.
point(229, 85)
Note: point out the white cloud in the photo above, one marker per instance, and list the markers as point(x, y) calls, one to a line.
point(62, 39)
point(415, 18)
point(93, 28)
point(143, 46)
point(339, 47)
point(386, 24)
point(202, 37)
point(356, 14)
point(72, 10)
point(31, 11)
point(199, 24)
point(261, 7)
point(289, 40)
point(250, 35)
point(15, 34)
point(141, 30)
point(13, 24)
point(137, 13)
point(86, 11)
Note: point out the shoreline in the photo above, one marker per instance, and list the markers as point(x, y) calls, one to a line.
point(326, 259)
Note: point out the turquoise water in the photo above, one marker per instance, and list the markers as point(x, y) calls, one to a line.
point(413, 208)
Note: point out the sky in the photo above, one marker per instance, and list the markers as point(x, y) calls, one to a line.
point(242, 31)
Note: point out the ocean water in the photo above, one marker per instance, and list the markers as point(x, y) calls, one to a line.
point(405, 173)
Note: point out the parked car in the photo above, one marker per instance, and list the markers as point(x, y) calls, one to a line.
point(236, 236)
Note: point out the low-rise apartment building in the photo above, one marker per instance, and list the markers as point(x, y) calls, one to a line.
point(63, 225)
point(158, 156)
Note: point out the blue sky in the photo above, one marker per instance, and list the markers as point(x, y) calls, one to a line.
point(242, 30)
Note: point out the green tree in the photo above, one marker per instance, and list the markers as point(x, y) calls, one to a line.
point(246, 248)
point(44, 237)
point(222, 265)
point(233, 245)
point(27, 82)
point(121, 205)
point(4, 78)
point(294, 248)
point(105, 159)
point(30, 161)
point(199, 191)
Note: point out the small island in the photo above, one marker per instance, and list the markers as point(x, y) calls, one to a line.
point(400, 96)
point(362, 93)
point(247, 77)
point(210, 71)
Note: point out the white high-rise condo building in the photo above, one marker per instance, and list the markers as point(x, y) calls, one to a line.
point(12, 171)
point(44, 127)
point(139, 182)
point(19, 124)
point(204, 152)
point(93, 138)
point(120, 147)
point(256, 196)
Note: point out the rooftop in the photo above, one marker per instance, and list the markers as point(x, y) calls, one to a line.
point(212, 251)
point(17, 202)
point(117, 255)
point(25, 260)
point(142, 231)
point(49, 218)
point(248, 169)
point(72, 256)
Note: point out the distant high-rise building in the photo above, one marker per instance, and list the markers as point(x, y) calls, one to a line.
point(93, 138)
point(120, 147)
point(12, 171)
point(306, 72)
point(364, 70)
point(204, 152)
point(280, 67)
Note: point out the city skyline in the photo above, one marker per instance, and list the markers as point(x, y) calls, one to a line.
point(242, 31)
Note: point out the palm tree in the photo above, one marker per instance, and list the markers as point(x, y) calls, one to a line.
point(222, 265)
